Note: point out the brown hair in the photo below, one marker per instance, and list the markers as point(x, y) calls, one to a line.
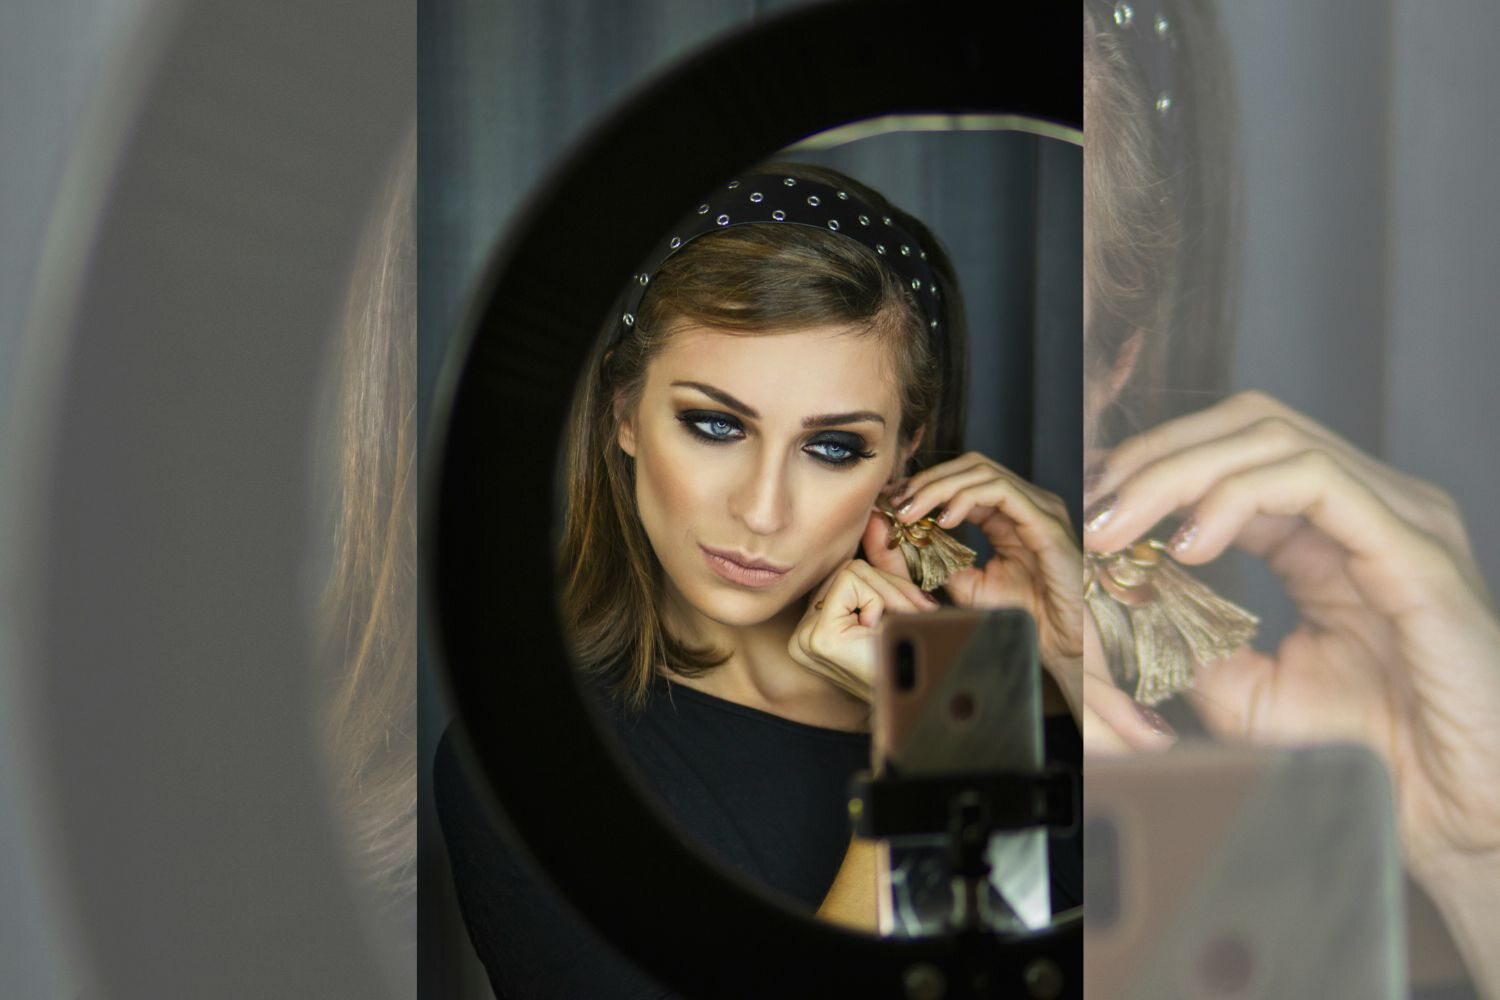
point(749, 278)
point(369, 604)
point(1160, 214)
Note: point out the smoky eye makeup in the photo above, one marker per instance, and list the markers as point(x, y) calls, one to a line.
point(836, 449)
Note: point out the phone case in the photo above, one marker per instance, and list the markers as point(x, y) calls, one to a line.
point(1217, 871)
point(973, 705)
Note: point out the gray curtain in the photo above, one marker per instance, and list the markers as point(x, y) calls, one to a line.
point(1371, 237)
point(505, 89)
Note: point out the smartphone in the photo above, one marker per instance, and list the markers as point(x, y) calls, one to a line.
point(1226, 872)
point(958, 692)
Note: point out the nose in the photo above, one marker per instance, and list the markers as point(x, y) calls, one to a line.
point(763, 500)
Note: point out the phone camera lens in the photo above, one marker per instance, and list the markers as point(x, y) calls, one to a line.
point(906, 665)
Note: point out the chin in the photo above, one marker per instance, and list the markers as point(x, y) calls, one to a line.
point(737, 610)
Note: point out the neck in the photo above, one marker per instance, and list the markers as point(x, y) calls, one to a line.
point(759, 671)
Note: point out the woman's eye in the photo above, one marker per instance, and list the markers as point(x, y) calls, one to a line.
point(712, 426)
point(834, 452)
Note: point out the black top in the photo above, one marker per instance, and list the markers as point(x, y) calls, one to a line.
point(762, 794)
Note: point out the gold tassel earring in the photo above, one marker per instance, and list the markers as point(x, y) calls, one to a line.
point(1156, 623)
point(932, 555)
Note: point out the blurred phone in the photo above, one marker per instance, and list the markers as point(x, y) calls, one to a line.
point(958, 692)
point(1244, 873)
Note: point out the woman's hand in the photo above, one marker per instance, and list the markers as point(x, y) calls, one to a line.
point(1398, 648)
point(1037, 566)
point(836, 637)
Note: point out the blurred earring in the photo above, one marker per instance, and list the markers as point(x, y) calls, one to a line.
point(932, 555)
point(1156, 623)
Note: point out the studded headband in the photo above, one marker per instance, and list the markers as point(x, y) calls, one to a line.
point(778, 199)
point(1149, 36)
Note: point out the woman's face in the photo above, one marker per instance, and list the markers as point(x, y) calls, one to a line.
point(766, 449)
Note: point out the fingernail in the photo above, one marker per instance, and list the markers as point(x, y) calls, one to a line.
point(932, 600)
point(1152, 718)
point(904, 508)
point(1184, 535)
point(1100, 513)
point(939, 514)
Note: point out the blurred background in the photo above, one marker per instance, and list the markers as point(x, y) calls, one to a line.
point(1371, 235)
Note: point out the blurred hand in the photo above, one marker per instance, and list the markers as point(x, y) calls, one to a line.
point(1398, 647)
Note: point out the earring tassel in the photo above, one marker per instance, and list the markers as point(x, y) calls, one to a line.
point(932, 555)
point(1158, 624)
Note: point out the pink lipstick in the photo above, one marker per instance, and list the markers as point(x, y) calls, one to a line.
point(736, 567)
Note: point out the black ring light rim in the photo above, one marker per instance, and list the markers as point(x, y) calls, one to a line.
point(506, 383)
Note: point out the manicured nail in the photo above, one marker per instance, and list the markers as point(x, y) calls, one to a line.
point(1100, 513)
point(904, 507)
point(1152, 718)
point(939, 515)
point(1184, 535)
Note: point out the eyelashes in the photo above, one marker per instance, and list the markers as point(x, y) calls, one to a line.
point(836, 449)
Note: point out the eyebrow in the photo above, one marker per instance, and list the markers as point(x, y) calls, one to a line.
point(745, 410)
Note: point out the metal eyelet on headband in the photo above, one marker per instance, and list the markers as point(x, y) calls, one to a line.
point(757, 197)
point(812, 200)
point(833, 224)
point(790, 182)
point(703, 209)
point(778, 215)
point(644, 279)
point(880, 248)
point(886, 219)
point(733, 185)
point(916, 284)
point(675, 242)
point(905, 250)
point(864, 220)
point(628, 319)
point(843, 196)
point(1124, 14)
point(722, 220)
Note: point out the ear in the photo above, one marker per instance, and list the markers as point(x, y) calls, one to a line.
point(625, 426)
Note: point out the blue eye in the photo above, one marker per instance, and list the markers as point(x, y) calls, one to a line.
point(713, 427)
point(839, 452)
point(835, 451)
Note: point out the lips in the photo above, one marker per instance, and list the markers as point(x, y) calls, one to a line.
point(736, 567)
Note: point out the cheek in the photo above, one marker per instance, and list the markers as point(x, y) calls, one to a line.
point(838, 517)
point(666, 483)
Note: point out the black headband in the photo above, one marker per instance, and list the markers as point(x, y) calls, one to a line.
point(778, 199)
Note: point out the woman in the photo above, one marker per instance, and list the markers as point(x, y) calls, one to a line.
point(790, 358)
point(1399, 646)
point(368, 609)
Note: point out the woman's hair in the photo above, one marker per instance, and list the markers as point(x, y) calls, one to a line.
point(369, 604)
point(750, 279)
point(1160, 210)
